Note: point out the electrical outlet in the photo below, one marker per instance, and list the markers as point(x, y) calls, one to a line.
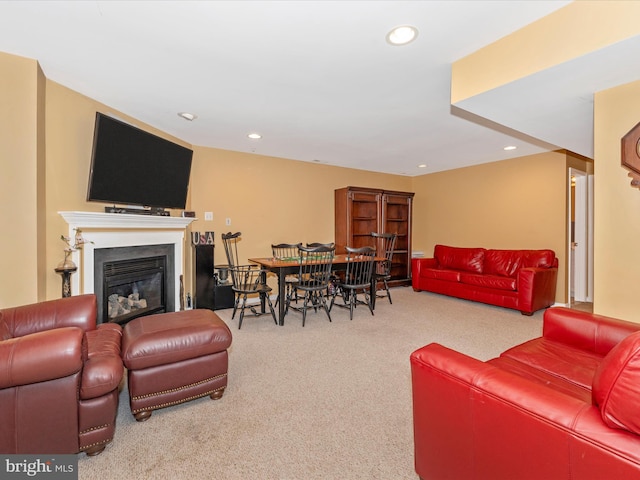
point(228, 221)
point(208, 216)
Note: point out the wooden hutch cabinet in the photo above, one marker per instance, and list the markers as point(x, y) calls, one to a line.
point(360, 211)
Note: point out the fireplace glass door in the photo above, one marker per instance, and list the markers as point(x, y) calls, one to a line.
point(133, 288)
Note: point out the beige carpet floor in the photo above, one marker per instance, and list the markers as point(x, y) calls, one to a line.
point(327, 401)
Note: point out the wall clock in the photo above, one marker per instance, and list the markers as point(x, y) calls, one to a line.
point(631, 154)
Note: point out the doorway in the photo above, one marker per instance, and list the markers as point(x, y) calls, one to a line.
point(580, 248)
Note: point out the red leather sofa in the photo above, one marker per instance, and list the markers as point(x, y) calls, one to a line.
point(59, 378)
point(562, 406)
point(524, 280)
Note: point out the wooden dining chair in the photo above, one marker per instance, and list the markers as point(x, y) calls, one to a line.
point(313, 279)
point(386, 243)
point(356, 280)
point(333, 276)
point(247, 280)
point(287, 251)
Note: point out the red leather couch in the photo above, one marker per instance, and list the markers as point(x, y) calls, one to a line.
point(524, 280)
point(562, 406)
point(59, 378)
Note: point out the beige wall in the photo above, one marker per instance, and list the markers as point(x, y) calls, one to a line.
point(273, 200)
point(45, 155)
point(21, 159)
point(70, 119)
point(517, 203)
point(617, 206)
point(268, 199)
point(580, 28)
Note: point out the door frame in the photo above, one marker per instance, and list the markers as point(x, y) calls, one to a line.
point(580, 258)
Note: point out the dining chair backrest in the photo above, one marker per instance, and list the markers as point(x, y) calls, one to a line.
point(359, 267)
point(385, 245)
point(318, 244)
point(315, 267)
point(285, 251)
point(230, 242)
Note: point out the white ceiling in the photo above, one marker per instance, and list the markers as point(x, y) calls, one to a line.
point(316, 78)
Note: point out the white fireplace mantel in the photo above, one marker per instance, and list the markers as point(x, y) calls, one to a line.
point(122, 220)
point(109, 230)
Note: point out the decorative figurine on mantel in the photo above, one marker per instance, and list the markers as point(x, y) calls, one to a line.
point(66, 267)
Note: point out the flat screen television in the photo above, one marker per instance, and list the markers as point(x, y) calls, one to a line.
point(132, 167)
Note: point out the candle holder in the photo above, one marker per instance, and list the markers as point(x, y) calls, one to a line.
point(66, 267)
point(65, 272)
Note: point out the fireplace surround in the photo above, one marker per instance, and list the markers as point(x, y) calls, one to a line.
point(112, 230)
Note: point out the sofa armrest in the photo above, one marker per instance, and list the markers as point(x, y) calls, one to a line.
point(417, 264)
point(586, 331)
point(78, 311)
point(469, 414)
point(103, 367)
point(40, 357)
point(536, 288)
point(449, 372)
point(475, 420)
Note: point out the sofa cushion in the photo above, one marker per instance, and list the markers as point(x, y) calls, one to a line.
point(5, 334)
point(457, 258)
point(440, 274)
point(502, 262)
point(616, 388)
point(489, 281)
point(507, 262)
point(543, 378)
point(559, 359)
point(538, 258)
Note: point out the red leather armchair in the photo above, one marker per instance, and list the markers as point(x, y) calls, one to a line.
point(562, 406)
point(59, 378)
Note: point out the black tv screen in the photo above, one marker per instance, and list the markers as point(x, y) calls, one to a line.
point(132, 167)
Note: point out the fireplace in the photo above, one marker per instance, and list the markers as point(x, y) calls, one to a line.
point(109, 231)
point(131, 282)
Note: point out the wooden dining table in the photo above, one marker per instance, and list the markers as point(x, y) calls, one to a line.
point(288, 266)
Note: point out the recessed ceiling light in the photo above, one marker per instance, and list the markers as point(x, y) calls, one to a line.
point(188, 116)
point(402, 34)
point(423, 165)
point(254, 136)
point(510, 147)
